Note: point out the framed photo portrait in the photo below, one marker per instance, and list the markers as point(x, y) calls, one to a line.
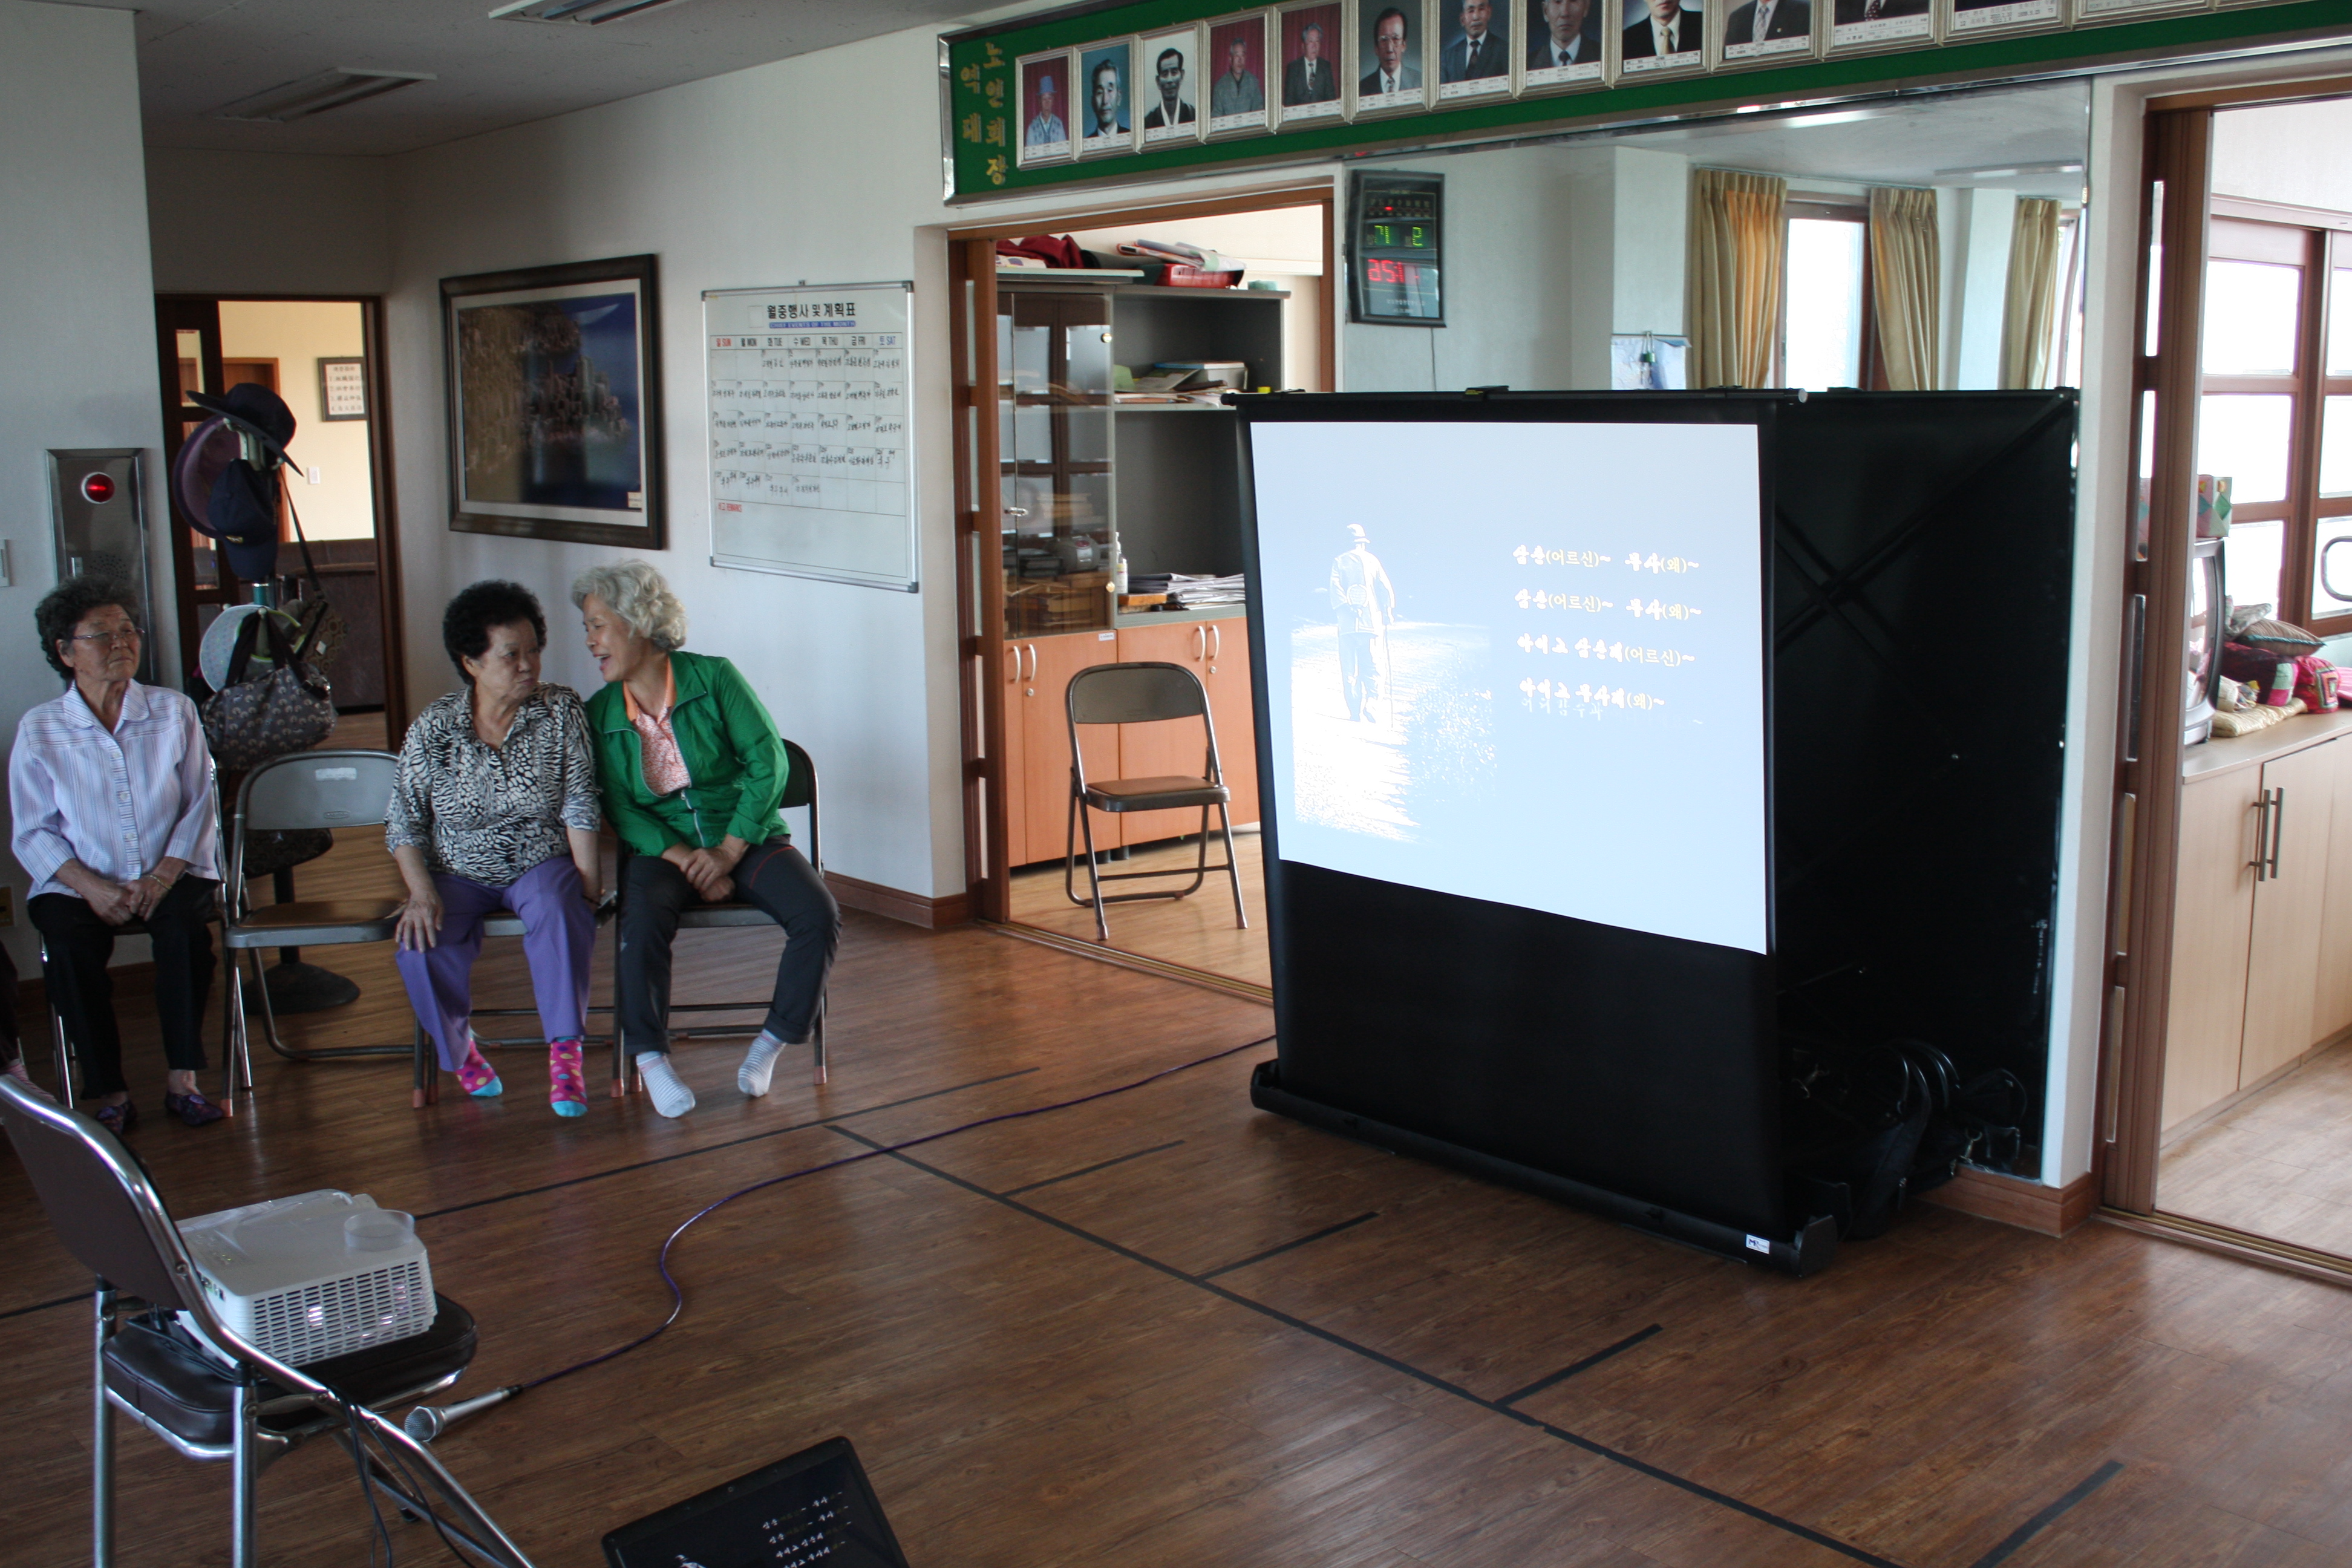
point(1169, 87)
point(1106, 127)
point(1475, 49)
point(2090, 12)
point(1391, 67)
point(1757, 31)
point(1045, 108)
point(1237, 97)
point(555, 409)
point(1974, 18)
point(1657, 36)
point(1858, 24)
point(1307, 38)
point(1562, 43)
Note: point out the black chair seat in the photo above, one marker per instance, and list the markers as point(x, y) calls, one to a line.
point(160, 1373)
point(1153, 794)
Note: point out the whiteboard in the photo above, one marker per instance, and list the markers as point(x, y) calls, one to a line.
point(812, 467)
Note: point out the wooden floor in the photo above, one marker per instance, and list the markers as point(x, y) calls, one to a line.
point(1161, 1328)
point(2278, 1162)
point(1197, 932)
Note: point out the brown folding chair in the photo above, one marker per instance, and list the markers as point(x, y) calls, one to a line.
point(147, 1363)
point(1143, 693)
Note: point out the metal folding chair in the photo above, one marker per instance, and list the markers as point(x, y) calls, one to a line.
point(253, 1410)
point(305, 790)
point(800, 795)
point(1143, 693)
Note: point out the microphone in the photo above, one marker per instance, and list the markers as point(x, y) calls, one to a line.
point(427, 1422)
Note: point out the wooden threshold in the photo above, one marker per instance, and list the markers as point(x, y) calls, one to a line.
point(1223, 984)
point(2241, 1246)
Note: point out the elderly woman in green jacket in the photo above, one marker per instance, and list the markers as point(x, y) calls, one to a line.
point(691, 773)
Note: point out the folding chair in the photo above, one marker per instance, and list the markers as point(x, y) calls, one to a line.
point(254, 1410)
point(800, 793)
point(304, 790)
point(1143, 693)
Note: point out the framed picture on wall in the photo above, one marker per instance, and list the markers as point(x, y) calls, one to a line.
point(555, 409)
point(1391, 60)
point(1045, 108)
point(1562, 43)
point(1475, 49)
point(1307, 41)
point(2088, 12)
point(1859, 26)
point(1238, 101)
point(1106, 122)
point(1764, 32)
point(1658, 38)
point(1965, 19)
point(343, 388)
point(1168, 89)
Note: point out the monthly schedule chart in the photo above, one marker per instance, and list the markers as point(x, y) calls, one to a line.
point(810, 451)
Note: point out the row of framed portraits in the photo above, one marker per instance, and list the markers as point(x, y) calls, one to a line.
point(1311, 62)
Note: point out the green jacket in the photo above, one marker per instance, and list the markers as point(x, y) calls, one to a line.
point(730, 750)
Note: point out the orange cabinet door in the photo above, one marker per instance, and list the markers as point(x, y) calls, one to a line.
point(1046, 734)
point(1172, 748)
point(1013, 769)
point(1236, 710)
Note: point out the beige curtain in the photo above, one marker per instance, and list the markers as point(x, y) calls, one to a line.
point(2032, 297)
point(1906, 286)
point(1739, 239)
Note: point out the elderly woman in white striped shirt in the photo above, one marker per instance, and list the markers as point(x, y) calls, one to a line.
point(110, 785)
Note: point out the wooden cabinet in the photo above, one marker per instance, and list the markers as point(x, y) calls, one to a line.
point(1217, 652)
point(1042, 803)
point(2283, 963)
point(2262, 936)
point(2212, 925)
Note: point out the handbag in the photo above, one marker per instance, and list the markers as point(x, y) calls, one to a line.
point(258, 715)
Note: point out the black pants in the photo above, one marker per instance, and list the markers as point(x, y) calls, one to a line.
point(78, 943)
point(775, 877)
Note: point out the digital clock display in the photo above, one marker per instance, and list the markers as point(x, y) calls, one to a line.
point(1395, 287)
point(1398, 249)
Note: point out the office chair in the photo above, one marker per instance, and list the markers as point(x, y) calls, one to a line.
point(1142, 693)
point(145, 1364)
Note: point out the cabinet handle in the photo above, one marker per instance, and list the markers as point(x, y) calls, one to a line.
point(1032, 661)
point(2261, 836)
point(1217, 648)
point(2278, 827)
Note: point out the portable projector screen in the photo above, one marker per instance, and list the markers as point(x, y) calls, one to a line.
point(1537, 679)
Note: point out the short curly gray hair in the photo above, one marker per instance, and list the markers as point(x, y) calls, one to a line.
point(633, 591)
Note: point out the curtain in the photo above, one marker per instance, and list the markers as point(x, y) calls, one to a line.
point(1906, 286)
point(2032, 297)
point(1738, 241)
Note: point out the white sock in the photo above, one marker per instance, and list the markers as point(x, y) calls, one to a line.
point(671, 1096)
point(758, 1065)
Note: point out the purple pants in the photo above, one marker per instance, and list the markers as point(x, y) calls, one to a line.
point(560, 932)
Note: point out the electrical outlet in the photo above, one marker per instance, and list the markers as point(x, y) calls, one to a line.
point(312, 475)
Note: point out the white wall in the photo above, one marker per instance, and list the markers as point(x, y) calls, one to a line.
point(76, 316)
point(267, 223)
point(1976, 224)
point(2299, 153)
point(299, 333)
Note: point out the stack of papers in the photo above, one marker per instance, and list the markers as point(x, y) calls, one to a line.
point(1186, 591)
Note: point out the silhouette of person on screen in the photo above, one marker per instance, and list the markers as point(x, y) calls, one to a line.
point(1364, 603)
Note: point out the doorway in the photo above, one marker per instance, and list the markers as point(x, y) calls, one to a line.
point(2233, 1065)
point(323, 356)
point(1071, 459)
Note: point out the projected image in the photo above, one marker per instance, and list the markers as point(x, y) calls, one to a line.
point(1521, 663)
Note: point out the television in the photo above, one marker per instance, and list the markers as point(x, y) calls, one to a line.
point(2209, 627)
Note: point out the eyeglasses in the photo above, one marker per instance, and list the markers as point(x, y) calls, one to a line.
point(123, 634)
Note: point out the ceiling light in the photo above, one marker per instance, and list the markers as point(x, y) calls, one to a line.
point(594, 13)
point(2011, 171)
point(1835, 116)
point(317, 94)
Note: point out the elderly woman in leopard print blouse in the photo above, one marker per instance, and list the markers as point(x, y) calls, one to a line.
point(495, 809)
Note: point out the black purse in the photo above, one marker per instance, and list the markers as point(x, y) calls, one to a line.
point(265, 713)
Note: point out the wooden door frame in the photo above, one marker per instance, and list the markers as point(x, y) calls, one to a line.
point(175, 313)
point(979, 578)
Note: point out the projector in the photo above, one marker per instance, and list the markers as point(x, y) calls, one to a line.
point(308, 1277)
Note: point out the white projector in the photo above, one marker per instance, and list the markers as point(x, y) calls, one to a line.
point(312, 1276)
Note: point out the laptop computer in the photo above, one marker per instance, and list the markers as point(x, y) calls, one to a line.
point(815, 1509)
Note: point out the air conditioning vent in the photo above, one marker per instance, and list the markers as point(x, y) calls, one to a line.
point(590, 13)
point(317, 94)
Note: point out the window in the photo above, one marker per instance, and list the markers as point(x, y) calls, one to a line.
point(2275, 412)
point(1823, 298)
